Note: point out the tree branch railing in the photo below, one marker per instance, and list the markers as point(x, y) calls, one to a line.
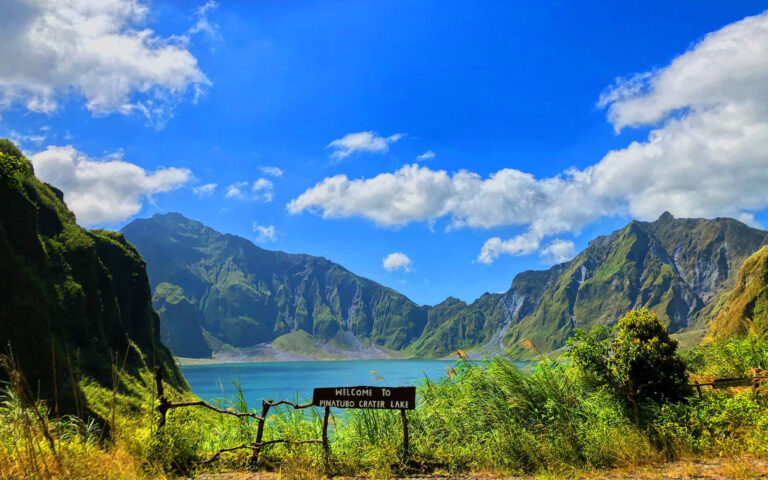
point(754, 381)
point(165, 405)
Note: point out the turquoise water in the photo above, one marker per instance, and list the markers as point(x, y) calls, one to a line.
point(292, 380)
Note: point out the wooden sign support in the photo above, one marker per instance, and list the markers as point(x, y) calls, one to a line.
point(381, 398)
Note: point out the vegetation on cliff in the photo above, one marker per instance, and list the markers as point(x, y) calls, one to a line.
point(746, 306)
point(676, 268)
point(75, 303)
point(246, 295)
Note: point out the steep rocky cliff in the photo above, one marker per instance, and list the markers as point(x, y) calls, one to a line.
point(73, 301)
point(746, 305)
point(246, 295)
point(677, 268)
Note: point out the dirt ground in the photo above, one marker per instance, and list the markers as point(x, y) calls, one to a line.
point(709, 469)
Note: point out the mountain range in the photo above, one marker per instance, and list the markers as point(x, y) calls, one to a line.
point(221, 295)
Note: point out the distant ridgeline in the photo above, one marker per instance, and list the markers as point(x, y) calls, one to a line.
point(72, 302)
point(221, 293)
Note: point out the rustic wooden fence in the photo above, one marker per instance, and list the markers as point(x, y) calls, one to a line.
point(256, 446)
point(754, 381)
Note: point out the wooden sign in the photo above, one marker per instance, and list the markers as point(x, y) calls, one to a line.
point(388, 398)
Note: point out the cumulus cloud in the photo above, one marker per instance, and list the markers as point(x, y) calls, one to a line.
point(707, 155)
point(361, 142)
point(261, 190)
point(396, 261)
point(271, 171)
point(103, 191)
point(429, 154)
point(558, 251)
point(204, 190)
point(101, 51)
point(264, 233)
point(418, 193)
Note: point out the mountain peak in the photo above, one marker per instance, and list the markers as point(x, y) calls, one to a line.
point(665, 217)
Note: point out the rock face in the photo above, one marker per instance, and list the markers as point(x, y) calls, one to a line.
point(72, 300)
point(245, 295)
point(677, 268)
point(746, 305)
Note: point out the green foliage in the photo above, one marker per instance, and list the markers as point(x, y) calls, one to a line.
point(175, 447)
point(73, 301)
point(745, 310)
point(729, 358)
point(645, 360)
point(7, 147)
point(591, 355)
point(549, 419)
point(13, 169)
point(639, 364)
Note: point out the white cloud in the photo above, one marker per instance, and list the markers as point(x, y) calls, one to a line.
point(264, 233)
point(559, 251)
point(204, 190)
point(103, 191)
point(706, 156)
point(261, 190)
point(99, 50)
point(236, 190)
point(264, 190)
point(361, 142)
point(429, 154)
point(271, 171)
point(21, 139)
point(417, 193)
point(397, 261)
point(203, 24)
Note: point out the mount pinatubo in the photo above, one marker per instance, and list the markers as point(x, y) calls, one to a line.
point(626, 343)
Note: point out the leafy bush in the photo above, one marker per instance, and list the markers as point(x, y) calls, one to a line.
point(639, 364)
point(12, 170)
point(175, 447)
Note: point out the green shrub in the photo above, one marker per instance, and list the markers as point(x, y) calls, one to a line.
point(13, 169)
point(175, 447)
point(639, 364)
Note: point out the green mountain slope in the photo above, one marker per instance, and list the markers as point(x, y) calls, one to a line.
point(746, 305)
point(247, 295)
point(72, 300)
point(676, 268)
point(679, 269)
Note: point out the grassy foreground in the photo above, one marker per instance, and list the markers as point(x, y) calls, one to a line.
point(559, 419)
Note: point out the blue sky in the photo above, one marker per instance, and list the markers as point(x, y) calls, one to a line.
point(133, 125)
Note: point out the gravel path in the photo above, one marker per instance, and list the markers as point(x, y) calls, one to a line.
point(709, 469)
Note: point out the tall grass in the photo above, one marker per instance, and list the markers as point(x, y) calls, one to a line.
point(489, 416)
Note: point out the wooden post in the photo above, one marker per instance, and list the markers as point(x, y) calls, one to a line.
point(260, 432)
point(698, 389)
point(405, 434)
point(326, 447)
point(162, 408)
point(755, 384)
